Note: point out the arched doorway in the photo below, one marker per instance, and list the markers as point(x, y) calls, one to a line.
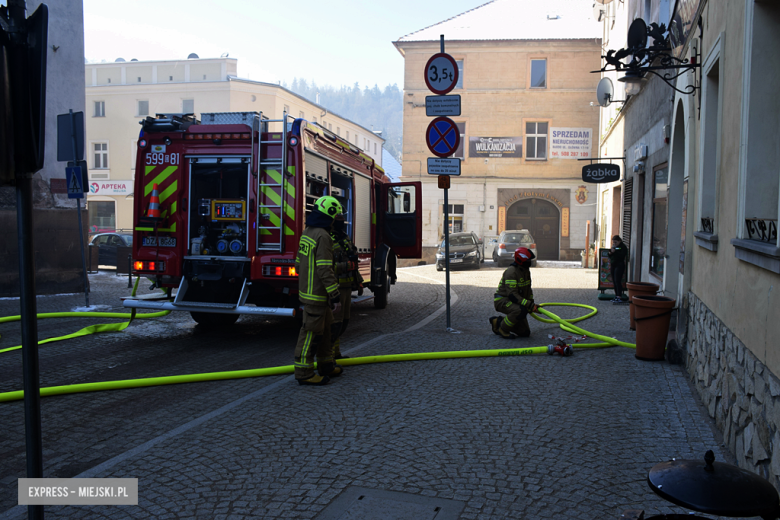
point(542, 219)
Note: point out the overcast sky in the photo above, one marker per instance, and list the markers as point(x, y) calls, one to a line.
point(333, 42)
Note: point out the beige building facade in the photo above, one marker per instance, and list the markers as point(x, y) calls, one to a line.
point(120, 94)
point(525, 120)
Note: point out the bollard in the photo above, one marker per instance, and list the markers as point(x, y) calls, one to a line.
point(129, 271)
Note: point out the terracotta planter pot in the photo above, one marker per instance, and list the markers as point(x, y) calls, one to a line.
point(653, 314)
point(635, 288)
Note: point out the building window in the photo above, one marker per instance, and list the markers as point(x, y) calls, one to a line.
point(536, 141)
point(100, 109)
point(143, 108)
point(100, 156)
point(287, 109)
point(300, 115)
point(455, 217)
point(102, 219)
point(459, 84)
point(658, 247)
point(170, 78)
point(330, 127)
point(188, 106)
point(357, 140)
point(374, 148)
point(347, 135)
point(460, 152)
point(710, 144)
point(338, 131)
point(139, 79)
point(538, 73)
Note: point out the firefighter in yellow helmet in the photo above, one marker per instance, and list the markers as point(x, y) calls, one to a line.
point(318, 291)
point(515, 298)
point(346, 265)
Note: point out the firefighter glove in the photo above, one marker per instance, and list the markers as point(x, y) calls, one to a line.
point(360, 289)
point(530, 305)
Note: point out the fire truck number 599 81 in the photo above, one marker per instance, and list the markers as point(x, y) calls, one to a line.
point(230, 195)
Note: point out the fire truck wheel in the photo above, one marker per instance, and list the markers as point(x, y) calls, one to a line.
point(210, 320)
point(380, 294)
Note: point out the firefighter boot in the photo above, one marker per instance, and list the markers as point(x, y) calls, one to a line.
point(315, 380)
point(505, 329)
point(328, 370)
point(494, 323)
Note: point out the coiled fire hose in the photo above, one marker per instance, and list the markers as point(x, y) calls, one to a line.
point(566, 325)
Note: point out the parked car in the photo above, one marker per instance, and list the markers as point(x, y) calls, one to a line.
point(464, 251)
point(509, 241)
point(107, 244)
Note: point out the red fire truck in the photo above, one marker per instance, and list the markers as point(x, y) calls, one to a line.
point(234, 190)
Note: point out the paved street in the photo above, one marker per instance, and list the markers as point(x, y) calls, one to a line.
point(503, 437)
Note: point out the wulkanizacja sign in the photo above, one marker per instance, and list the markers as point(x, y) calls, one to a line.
point(495, 147)
point(600, 173)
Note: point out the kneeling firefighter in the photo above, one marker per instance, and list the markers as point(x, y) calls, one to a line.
point(515, 298)
point(345, 263)
point(318, 291)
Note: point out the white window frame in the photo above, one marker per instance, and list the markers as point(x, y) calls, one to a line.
point(105, 153)
point(102, 111)
point(453, 217)
point(536, 138)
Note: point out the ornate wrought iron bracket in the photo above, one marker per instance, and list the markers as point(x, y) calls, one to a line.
point(708, 224)
point(650, 59)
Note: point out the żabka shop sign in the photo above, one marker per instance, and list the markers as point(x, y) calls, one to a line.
point(111, 188)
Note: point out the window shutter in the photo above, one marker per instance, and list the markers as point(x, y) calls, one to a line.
point(628, 192)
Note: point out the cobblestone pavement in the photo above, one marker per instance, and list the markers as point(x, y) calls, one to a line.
point(511, 437)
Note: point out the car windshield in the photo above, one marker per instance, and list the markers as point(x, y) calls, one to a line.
point(460, 241)
point(518, 238)
point(128, 239)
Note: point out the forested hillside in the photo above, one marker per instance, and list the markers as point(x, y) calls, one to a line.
point(371, 107)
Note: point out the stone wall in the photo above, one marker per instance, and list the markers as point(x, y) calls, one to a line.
point(739, 392)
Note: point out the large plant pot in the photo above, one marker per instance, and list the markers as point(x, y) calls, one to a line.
point(652, 315)
point(635, 288)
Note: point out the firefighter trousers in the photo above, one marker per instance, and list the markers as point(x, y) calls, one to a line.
point(341, 320)
point(516, 319)
point(313, 340)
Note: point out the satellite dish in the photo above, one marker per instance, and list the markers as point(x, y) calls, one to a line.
point(119, 60)
point(605, 92)
point(224, 55)
point(193, 56)
point(637, 34)
point(599, 12)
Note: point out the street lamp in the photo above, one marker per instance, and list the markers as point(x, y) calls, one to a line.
point(633, 82)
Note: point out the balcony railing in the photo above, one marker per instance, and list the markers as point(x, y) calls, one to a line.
point(762, 229)
point(708, 225)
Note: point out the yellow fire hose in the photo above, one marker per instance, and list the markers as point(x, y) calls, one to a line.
point(566, 325)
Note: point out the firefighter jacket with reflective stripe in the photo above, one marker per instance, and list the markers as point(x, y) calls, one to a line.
point(343, 249)
point(517, 281)
point(316, 280)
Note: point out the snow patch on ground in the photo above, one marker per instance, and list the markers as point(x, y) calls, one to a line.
point(92, 308)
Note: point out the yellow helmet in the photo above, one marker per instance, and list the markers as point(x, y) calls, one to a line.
point(329, 206)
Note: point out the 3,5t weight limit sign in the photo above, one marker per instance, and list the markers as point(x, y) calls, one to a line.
point(441, 73)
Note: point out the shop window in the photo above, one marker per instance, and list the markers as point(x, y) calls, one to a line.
point(455, 217)
point(102, 217)
point(658, 246)
point(536, 141)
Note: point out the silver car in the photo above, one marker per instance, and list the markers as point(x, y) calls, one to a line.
point(509, 241)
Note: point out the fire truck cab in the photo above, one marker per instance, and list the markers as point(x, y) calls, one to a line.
point(233, 191)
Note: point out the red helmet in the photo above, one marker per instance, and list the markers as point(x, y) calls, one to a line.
point(523, 255)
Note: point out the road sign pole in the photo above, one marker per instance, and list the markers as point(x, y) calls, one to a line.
point(447, 251)
point(78, 209)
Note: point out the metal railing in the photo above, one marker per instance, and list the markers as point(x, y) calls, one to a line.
point(762, 229)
